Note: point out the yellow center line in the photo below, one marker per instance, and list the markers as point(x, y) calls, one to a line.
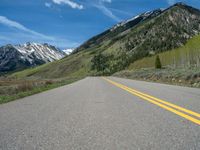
point(161, 103)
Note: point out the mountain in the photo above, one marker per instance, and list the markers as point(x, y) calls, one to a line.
point(150, 32)
point(119, 28)
point(68, 51)
point(18, 57)
point(145, 35)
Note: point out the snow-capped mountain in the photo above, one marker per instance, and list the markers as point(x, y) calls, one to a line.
point(45, 52)
point(68, 51)
point(18, 57)
point(139, 18)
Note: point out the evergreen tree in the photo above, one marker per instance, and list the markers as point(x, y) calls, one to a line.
point(158, 64)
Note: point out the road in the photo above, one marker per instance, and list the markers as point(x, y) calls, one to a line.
point(104, 114)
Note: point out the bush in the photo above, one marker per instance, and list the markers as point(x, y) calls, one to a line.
point(49, 82)
point(158, 64)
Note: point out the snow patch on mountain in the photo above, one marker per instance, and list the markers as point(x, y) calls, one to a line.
point(140, 17)
point(68, 51)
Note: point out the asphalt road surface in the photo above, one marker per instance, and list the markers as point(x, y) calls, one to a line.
point(104, 114)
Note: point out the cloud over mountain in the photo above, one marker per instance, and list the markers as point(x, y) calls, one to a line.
point(70, 3)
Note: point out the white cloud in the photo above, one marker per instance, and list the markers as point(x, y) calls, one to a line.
point(24, 33)
point(107, 12)
point(48, 5)
point(71, 3)
point(14, 24)
point(100, 5)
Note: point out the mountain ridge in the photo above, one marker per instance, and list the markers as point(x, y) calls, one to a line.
point(127, 23)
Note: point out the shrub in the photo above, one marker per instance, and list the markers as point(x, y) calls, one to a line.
point(49, 82)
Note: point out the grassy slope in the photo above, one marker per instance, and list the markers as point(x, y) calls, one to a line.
point(185, 56)
point(76, 65)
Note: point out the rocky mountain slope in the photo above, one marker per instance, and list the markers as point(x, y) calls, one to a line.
point(18, 57)
point(144, 35)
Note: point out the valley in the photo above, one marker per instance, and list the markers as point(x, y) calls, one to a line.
point(126, 50)
point(133, 44)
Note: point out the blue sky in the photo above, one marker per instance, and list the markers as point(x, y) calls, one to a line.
point(68, 23)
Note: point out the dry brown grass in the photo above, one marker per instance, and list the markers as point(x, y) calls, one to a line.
point(13, 86)
point(25, 86)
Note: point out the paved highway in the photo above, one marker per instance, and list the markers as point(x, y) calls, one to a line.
point(104, 114)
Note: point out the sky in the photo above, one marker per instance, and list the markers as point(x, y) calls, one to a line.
point(68, 23)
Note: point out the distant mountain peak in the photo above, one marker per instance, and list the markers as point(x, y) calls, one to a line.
point(17, 57)
point(180, 4)
point(138, 18)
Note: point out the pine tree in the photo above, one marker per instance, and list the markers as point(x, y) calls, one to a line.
point(158, 64)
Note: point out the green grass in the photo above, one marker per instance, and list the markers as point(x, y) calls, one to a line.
point(185, 56)
point(75, 65)
point(5, 98)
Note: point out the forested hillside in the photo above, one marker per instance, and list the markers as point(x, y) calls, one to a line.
point(185, 56)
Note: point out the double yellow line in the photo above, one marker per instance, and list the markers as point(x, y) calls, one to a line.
point(180, 111)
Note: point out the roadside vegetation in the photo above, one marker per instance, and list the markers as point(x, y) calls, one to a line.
point(176, 76)
point(12, 89)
